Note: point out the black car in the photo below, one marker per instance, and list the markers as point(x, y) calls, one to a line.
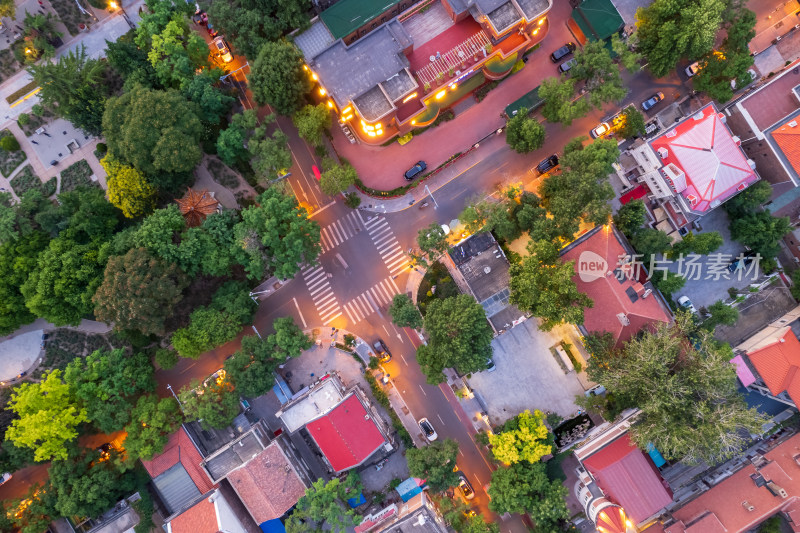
point(741, 262)
point(381, 351)
point(548, 164)
point(415, 171)
point(562, 52)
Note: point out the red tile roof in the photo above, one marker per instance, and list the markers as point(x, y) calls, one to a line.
point(778, 363)
point(627, 477)
point(788, 139)
point(726, 499)
point(200, 518)
point(703, 148)
point(608, 294)
point(180, 449)
point(268, 485)
point(347, 435)
point(611, 520)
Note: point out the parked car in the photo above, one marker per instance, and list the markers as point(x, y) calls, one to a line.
point(382, 352)
point(5, 477)
point(415, 171)
point(692, 69)
point(427, 429)
point(741, 262)
point(548, 164)
point(562, 52)
point(465, 487)
point(600, 131)
point(597, 390)
point(652, 101)
point(216, 377)
point(752, 74)
point(566, 65)
point(223, 50)
point(490, 365)
point(687, 304)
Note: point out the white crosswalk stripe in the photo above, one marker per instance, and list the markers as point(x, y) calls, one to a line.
point(386, 243)
point(324, 300)
point(340, 230)
point(366, 303)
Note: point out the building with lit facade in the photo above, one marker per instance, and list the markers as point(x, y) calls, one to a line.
point(385, 75)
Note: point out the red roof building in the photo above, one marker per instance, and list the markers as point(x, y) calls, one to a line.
point(628, 477)
point(702, 161)
point(746, 498)
point(268, 485)
point(211, 514)
point(347, 435)
point(778, 363)
point(787, 137)
point(624, 301)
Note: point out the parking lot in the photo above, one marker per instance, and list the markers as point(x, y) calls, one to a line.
point(710, 280)
point(527, 376)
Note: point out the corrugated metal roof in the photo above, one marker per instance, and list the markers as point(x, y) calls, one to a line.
point(176, 488)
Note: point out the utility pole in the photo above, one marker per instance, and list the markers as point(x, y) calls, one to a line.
point(175, 396)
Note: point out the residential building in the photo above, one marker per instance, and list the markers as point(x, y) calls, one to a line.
point(605, 270)
point(417, 515)
point(485, 268)
point(385, 76)
point(768, 362)
point(210, 514)
point(768, 483)
point(691, 168)
point(595, 20)
point(618, 484)
point(342, 423)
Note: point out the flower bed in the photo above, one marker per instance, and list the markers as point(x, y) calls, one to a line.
point(9, 161)
point(22, 91)
point(76, 175)
point(26, 180)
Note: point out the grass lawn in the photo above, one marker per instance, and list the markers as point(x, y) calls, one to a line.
point(9, 161)
point(76, 175)
point(26, 180)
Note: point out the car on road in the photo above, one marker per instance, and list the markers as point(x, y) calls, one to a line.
point(692, 69)
point(562, 52)
point(566, 65)
point(548, 164)
point(5, 477)
point(382, 352)
point(217, 377)
point(223, 50)
point(741, 262)
point(687, 304)
point(600, 131)
point(427, 429)
point(652, 101)
point(751, 73)
point(490, 365)
point(415, 171)
point(465, 487)
point(315, 170)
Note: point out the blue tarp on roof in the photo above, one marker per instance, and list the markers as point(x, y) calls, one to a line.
point(656, 456)
point(355, 501)
point(409, 488)
point(273, 526)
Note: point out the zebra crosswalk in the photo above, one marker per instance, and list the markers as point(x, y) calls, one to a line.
point(369, 301)
point(386, 243)
point(324, 300)
point(340, 230)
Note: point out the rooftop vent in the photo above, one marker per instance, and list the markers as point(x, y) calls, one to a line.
point(749, 506)
point(487, 269)
point(647, 293)
point(623, 319)
point(663, 152)
point(699, 115)
point(777, 490)
point(797, 459)
point(792, 124)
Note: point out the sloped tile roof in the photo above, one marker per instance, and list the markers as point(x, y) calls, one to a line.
point(200, 518)
point(777, 364)
point(627, 477)
point(180, 449)
point(347, 435)
point(788, 139)
point(268, 485)
point(611, 297)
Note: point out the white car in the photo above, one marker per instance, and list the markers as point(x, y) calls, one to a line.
point(687, 304)
point(223, 50)
point(600, 130)
point(427, 429)
point(692, 69)
point(5, 477)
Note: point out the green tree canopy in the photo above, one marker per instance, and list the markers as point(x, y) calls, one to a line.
point(721, 314)
point(404, 313)
point(629, 59)
point(232, 141)
point(276, 236)
point(525, 488)
point(324, 503)
point(271, 157)
point(459, 337)
point(748, 201)
point(761, 232)
point(18, 259)
point(435, 463)
point(542, 285)
point(277, 77)
point(203, 89)
point(699, 243)
point(649, 241)
point(153, 420)
point(215, 406)
point(128, 189)
point(311, 123)
point(668, 282)
point(48, 416)
point(154, 131)
point(107, 384)
point(596, 66)
point(686, 391)
point(523, 438)
point(336, 178)
point(633, 124)
point(523, 133)
point(630, 218)
point(432, 242)
point(558, 105)
point(138, 292)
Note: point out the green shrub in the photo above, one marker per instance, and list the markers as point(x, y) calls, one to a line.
point(23, 119)
point(352, 200)
point(37, 110)
point(166, 359)
point(9, 143)
point(102, 148)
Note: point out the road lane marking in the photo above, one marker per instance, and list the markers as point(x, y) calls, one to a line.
point(300, 313)
point(404, 359)
point(440, 418)
point(461, 452)
point(423, 390)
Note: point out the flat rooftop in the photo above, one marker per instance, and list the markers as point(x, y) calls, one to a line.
point(311, 404)
point(236, 454)
point(773, 101)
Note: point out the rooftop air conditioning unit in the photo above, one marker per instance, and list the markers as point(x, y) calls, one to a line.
point(749, 506)
point(792, 124)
